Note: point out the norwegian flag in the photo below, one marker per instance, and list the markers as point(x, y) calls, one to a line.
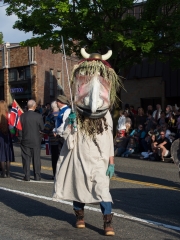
point(15, 114)
point(47, 143)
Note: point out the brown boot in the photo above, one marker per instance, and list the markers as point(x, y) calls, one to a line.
point(108, 229)
point(80, 218)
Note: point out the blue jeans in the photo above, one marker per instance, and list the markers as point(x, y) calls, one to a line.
point(106, 207)
point(127, 152)
point(120, 151)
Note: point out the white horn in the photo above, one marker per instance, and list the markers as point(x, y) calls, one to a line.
point(84, 53)
point(107, 55)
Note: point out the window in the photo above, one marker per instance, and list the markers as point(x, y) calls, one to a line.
point(2, 76)
point(20, 74)
point(51, 80)
point(12, 75)
point(27, 73)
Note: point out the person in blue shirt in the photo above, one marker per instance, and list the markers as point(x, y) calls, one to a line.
point(138, 134)
point(61, 123)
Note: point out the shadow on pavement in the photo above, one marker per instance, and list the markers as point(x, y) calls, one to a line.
point(148, 179)
point(46, 220)
point(17, 172)
point(159, 205)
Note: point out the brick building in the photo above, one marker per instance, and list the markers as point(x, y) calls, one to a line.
point(32, 73)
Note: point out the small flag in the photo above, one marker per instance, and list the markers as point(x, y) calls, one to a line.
point(47, 143)
point(14, 119)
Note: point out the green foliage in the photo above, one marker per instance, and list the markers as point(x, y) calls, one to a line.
point(101, 23)
point(1, 37)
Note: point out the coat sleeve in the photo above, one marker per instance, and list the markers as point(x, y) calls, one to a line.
point(41, 124)
point(110, 130)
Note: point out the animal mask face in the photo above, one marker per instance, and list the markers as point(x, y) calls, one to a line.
point(92, 92)
point(95, 85)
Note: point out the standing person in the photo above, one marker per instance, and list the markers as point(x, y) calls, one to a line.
point(150, 122)
point(161, 121)
point(86, 161)
point(149, 108)
point(30, 138)
point(168, 112)
point(62, 118)
point(6, 147)
point(140, 118)
point(122, 122)
point(128, 122)
point(50, 124)
point(46, 111)
point(157, 113)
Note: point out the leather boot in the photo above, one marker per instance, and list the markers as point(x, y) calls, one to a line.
point(108, 229)
point(80, 218)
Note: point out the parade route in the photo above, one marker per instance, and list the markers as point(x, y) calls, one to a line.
point(146, 200)
point(94, 209)
point(113, 179)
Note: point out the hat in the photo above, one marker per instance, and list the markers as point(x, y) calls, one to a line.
point(63, 99)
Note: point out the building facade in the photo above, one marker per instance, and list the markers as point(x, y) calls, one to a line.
point(152, 83)
point(32, 73)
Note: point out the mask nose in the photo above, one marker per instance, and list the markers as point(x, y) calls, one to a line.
point(93, 100)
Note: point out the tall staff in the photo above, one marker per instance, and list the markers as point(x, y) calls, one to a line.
point(72, 116)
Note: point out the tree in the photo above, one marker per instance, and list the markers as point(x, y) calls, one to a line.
point(1, 38)
point(154, 33)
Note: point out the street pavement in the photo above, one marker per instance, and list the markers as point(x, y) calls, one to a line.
point(146, 204)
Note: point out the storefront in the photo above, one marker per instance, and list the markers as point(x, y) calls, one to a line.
point(20, 85)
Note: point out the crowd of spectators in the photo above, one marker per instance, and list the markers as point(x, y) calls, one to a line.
point(147, 132)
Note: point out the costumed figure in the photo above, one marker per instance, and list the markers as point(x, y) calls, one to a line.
point(86, 161)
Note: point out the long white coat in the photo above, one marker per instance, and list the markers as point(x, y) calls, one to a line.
point(81, 168)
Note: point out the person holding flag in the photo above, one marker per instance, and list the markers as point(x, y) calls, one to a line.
point(14, 119)
point(6, 147)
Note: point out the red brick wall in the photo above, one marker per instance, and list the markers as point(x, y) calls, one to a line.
point(46, 60)
point(19, 57)
point(40, 84)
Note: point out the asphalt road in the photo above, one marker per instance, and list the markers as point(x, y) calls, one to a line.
point(146, 205)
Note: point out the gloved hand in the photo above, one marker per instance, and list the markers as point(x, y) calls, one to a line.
point(72, 117)
point(110, 170)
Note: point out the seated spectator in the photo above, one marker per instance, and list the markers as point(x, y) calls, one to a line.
point(162, 146)
point(138, 134)
point(120, 143)
point(167, 131)
point(146, 142)
point(150, 122)
point(152, 139)
point(130, 148)
point(161, 121)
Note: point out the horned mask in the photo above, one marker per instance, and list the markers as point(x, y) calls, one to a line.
point(95, 84)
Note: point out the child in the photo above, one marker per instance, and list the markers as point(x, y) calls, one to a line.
point(120, 143)
point(130, 148)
